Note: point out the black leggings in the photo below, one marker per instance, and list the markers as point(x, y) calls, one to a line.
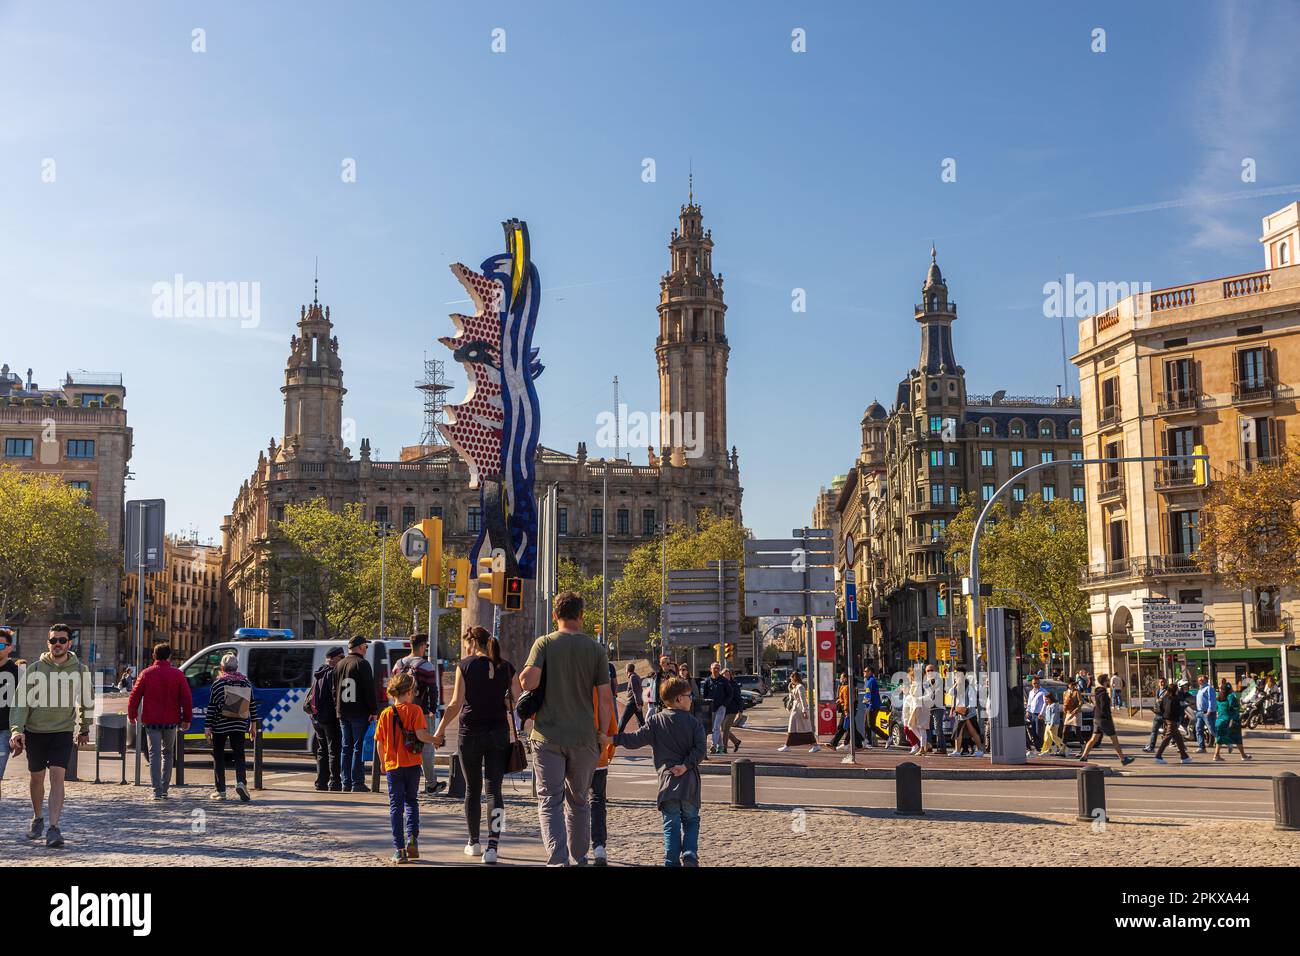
point(219, 758)
point(483, 753)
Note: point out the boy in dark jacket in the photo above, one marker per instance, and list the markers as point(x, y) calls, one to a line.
point(676, 738)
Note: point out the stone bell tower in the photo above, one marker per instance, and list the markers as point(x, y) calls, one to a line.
point(692, 348)
point(313, 388)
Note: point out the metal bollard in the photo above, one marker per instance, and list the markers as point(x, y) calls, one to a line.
point(71, 773)
point(456, 779)
point(742, 783)
point(257, 761)
point(907, 785)
point(376, 763)
point(1092, 794)
point(1286, 801)
point(180, 757)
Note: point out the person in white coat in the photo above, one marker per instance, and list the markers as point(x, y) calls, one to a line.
point(799, 729)
point(916, 713)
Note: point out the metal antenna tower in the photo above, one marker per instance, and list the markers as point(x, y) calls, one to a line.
point(618, 424)
point(435, 390)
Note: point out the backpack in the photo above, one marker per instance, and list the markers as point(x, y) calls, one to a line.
point(426, 681)
point(236, 701)
point(317, 691)
point(413, 743)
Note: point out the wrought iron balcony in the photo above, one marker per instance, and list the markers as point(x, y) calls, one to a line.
point(1254, 391)
point(1109, 416)
point(1270, 621)
point(1109, 571)
point(1171, 565)
point(1180, 400)
point(1111, 487)
point(1255, 464)
point(1175, 477)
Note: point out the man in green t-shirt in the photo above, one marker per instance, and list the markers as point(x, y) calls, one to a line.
point(575, 669)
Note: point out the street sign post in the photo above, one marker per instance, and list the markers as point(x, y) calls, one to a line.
point(413, 544)
point(703, 606)
point(1170, 626)
point(1045, 627)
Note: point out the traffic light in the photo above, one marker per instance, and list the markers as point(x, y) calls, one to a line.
point(429, 571)
point(514, 594)
point(458, 583)
point(943, 593)
point(1046, 653)
point(731, 652)
point(1200, 473)
point(491, 580)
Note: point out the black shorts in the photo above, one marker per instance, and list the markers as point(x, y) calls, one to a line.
point(48, 750)
point(1103, 727)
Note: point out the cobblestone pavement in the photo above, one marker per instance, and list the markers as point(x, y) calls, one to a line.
point(852, 837)
point(112, 825)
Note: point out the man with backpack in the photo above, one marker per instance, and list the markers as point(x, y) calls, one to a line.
point(319, 705)
point(232, 710)
point(425, 674)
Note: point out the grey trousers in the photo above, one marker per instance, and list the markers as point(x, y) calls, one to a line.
point(563, 786)
point(162, 748)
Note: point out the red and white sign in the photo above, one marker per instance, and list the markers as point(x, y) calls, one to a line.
point(826, 689)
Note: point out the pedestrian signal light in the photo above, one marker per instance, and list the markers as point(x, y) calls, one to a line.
point(514, 594)
point(1046, 653)
point(491, 582)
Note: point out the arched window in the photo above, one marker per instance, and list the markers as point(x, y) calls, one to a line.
point(1017, 428)
point(1044, 429)
point(1284, 252)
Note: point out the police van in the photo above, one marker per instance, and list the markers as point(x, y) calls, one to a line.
point(280, 668)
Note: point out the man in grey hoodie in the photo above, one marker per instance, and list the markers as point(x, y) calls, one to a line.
point(53, 704)
point(676, 738)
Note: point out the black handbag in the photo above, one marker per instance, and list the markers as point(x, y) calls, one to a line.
point(517, 760)
point(530, 701)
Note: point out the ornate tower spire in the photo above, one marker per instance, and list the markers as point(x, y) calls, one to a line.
point(936, 315)
point(692, 347)
point(313, 387)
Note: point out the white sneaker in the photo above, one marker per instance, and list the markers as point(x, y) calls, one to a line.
point(814, 748)
point(954, 753)
point(842, 747)
point(914, 751)
point(473, 849)
point(978, 753)
point(599, 857)
point(782, 749)
point(489, 855)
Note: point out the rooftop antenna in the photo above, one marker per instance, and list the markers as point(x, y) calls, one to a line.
point(315, 283)
point(690, 181)
point(1065, 373)
point(435, 390)
point(618, 424)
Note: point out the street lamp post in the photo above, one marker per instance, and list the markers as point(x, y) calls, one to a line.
point(988, 506)
point(383, 556)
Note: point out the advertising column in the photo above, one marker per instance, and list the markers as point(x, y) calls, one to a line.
point(825, 676)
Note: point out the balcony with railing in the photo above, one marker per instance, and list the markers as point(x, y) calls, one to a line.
point(928, 542)
point(1254, 391)
point(1107, 571)
point(1109, 416)
point(1270, 621)
point(1178, 400)
point(1170, 565)
point(1111, 487)
point(1175, 477)
point(1255, 464)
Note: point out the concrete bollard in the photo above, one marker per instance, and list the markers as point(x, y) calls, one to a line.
point(742, 783)
point(907, 785)
point(1092, 793)
point(455, 779)
point(1286, 801)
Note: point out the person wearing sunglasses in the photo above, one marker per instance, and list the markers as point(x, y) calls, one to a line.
point(8, 694)
point(54, 704)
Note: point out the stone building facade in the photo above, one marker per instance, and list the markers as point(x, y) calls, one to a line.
point(1214, 363)
point(77, 430)
point(695, 470)
point(183, 603)
point(916, 462)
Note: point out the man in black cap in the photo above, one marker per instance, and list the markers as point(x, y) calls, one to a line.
point(357, 707)
point(328, 742)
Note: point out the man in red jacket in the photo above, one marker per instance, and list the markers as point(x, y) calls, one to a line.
point(165, 695)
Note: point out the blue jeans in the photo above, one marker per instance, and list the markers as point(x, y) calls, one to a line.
point(4, 751)
point(681, 831)
point(403, 796)
point(936, 726)
point(351, 765)
point(1204, 729)
point(719, 716)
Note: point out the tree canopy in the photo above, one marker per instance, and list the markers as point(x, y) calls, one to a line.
point(1250, 525)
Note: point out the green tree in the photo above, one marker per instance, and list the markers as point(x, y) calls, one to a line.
point(569, 577)
point(1038, 549)
point(50, 541)
point(1250, 525)
point(635, 597)
point(326, 557)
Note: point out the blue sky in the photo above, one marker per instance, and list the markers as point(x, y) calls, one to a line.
point(817, 170)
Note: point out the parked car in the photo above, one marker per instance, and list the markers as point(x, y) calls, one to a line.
point(750, 698)
point(752, 682)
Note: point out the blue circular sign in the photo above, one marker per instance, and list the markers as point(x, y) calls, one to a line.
point(1045, 627)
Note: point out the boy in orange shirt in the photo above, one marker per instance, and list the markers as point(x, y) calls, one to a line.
point(400, 736)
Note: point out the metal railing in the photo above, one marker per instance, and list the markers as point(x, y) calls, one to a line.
point(1270, 621)
point(1110, 487)
point(1109, 415)
point(1253, 390)
point(1178, 400)
point(1171, 565)
point(1255, 464)
point(1174, 477)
